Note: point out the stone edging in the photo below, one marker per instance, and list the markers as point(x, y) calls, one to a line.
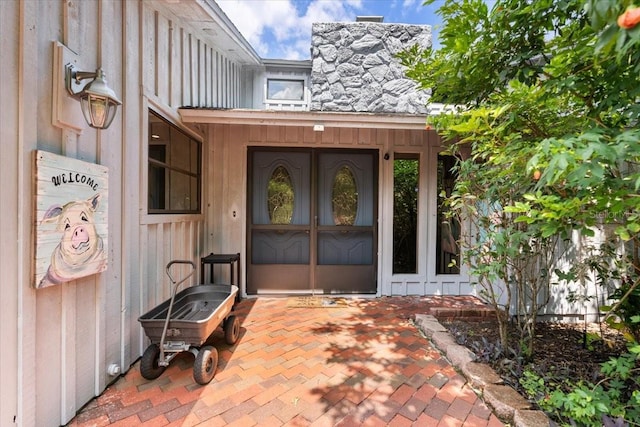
point(506, 403)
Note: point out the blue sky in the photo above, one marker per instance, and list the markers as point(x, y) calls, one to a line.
point(281, 29)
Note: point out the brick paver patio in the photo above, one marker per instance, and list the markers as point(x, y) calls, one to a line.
point(363, 364)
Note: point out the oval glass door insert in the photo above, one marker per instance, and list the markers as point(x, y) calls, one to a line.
point(280, 197)
point(344, 197)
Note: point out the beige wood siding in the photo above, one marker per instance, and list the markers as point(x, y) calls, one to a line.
point(17, 305)
point(62, 339)
point(227, 219)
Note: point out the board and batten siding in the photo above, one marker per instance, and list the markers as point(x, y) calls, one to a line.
point(228, 213)
point(61, 340)
point(18, 136)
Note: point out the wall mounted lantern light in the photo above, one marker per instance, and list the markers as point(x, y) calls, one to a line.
point(98, 101)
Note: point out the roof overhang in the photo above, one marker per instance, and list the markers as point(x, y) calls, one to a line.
point(209, 21)
point(299, 64)
point(302, 118)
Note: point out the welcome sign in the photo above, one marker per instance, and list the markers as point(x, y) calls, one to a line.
point(71, 206)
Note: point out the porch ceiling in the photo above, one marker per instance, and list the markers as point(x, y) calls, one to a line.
point(302, 118)
point(207, 19)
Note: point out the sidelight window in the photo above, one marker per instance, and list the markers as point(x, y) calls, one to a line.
point(406, 176)
point(448, 232)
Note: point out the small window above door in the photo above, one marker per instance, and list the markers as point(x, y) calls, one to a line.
point(284, 89)
point(286, 92)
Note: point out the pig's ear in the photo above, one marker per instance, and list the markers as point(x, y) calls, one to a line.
point(52, 213)
point(94, 201)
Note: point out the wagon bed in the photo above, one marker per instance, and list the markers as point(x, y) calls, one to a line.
point(197, 312)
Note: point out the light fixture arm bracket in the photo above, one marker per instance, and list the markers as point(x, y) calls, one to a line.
point(74, 76)
point(82, 75)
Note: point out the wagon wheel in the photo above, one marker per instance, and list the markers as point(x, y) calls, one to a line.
point(149, 367)
point(204, 367)
point(231, 330)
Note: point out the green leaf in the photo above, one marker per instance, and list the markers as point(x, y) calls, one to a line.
point(622, 233)
point(606, 37)
point(633, 227)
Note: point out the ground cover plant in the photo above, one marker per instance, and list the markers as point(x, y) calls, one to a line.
point(548, 101)
point(577, 369)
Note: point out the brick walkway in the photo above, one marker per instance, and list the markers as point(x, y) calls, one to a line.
point(362, 364)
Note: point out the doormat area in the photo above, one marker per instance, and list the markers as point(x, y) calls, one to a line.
point(316, 302)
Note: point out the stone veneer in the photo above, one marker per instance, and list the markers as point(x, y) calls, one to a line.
point(354, 68)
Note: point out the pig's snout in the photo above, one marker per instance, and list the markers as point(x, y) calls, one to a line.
point(80, 237)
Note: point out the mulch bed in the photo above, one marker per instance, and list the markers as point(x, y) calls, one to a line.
point(561, 349)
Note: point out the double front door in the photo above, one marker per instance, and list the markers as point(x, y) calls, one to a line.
point(312, 221)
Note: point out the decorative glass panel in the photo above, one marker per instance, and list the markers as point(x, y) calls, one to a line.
point(344, 197)
point(280, 197)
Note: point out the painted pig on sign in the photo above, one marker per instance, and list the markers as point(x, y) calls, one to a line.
point(80, 252)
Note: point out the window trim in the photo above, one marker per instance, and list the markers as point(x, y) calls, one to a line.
point(168, 215)
point(420, 205)
point(437, 228)
point(300, 100)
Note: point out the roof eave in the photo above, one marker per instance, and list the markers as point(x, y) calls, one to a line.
point(302, 118)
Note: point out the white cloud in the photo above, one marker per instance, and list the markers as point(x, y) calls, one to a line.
point(410, 7)
point(282, 28)
point(253, 18)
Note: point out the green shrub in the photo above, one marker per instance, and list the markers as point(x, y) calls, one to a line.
point(625, 315)
point(614, 400)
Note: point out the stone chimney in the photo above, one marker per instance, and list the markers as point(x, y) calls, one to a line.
point(354, 67)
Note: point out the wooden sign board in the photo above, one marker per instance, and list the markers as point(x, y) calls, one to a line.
point(71, 207)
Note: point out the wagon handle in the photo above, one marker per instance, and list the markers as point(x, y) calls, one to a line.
point(162, 361)
point(180, 261)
